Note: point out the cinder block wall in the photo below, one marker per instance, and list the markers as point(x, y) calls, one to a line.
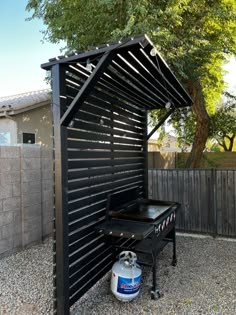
point(26, 196)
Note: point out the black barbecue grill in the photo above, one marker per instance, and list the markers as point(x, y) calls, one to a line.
point(142, 225)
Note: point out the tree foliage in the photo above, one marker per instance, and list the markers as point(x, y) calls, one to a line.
point(223, 124)
point(194, 36)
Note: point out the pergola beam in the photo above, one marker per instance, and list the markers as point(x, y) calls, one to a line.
point(161, 121)
point(87, 87)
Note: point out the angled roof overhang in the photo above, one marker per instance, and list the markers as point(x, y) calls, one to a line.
point(131, 71)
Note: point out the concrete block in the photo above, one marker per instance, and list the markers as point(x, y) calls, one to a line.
point(10, 152)
point(30, 151)
point(47, 184)
point(32, 211)
point(11, 177)
point(12, 204)
point(7, 231)
point(32, 224)
point(17, 223)
point(32, 231)
point(31, 175)
point(6, 218)
point(6, 245)
point(49, 204)
point(9, 165)
point(31, 164)
point(17, 240)
point(5, 191)
point(30, 199)
point(47, 228)
point(31, 237)
point(47, 153)
point(17, 217)
point(47, 164)
point(48, 207)
point(47, 195)
point(16, 190)
point(31, 187)
point(47, 217)
point(49, 175)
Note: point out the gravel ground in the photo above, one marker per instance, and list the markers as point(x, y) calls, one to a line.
point(203, 282)
point(26, 281)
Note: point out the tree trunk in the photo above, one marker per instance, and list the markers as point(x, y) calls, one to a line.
point(231, 143)
point(202, 125)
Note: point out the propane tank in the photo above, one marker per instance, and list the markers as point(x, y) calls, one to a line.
point(126, 277)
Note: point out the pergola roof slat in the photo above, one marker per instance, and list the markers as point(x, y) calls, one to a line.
point(132, 85)
point(141, 83)
point(170, 89)
point(169, 74)
point(149, 78)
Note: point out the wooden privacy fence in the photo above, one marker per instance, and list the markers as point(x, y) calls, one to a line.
point(207, 197)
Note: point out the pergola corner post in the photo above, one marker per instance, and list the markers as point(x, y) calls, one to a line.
point(61, 258)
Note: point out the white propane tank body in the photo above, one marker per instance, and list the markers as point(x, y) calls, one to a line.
point(126, 277)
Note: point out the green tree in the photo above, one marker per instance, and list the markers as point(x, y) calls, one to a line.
point(223, 124)
point(194, 36)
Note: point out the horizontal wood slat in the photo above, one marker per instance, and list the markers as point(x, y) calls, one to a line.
point(102, 179)
point(76, 194)
point(73, 155)
point(80, 174)
point(84, 269)
point(106, 129)
point(75, 134)
point(89, 281)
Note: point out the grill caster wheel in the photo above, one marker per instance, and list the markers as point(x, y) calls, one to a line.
point(174, 262)
point(156, 295)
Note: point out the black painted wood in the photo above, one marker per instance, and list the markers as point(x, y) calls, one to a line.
point(61, 218)
point(100, 127)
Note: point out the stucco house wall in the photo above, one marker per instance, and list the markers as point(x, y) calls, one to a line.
point(38, 121)
point(28, 113)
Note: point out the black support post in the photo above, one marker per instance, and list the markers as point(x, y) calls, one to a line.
point(61, 216)
point(161, 122)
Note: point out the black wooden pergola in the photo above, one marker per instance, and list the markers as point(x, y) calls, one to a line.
point(100, 101)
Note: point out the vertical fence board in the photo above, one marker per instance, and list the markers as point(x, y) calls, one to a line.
point(218, 202)
point(207, 197)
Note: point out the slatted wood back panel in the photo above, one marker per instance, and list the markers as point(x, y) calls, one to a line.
point(207, 198)
point(105, 150)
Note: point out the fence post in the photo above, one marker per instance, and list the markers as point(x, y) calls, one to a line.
point(214, 208)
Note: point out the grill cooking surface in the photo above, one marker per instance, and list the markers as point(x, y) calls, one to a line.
point(145, 213)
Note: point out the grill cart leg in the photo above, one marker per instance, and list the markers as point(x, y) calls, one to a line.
point(174, 260)
point(155, 293)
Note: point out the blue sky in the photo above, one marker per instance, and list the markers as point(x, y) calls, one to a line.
point(22, 51)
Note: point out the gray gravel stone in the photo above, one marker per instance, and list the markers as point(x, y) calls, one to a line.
point(26, 282)
point(202, 283)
